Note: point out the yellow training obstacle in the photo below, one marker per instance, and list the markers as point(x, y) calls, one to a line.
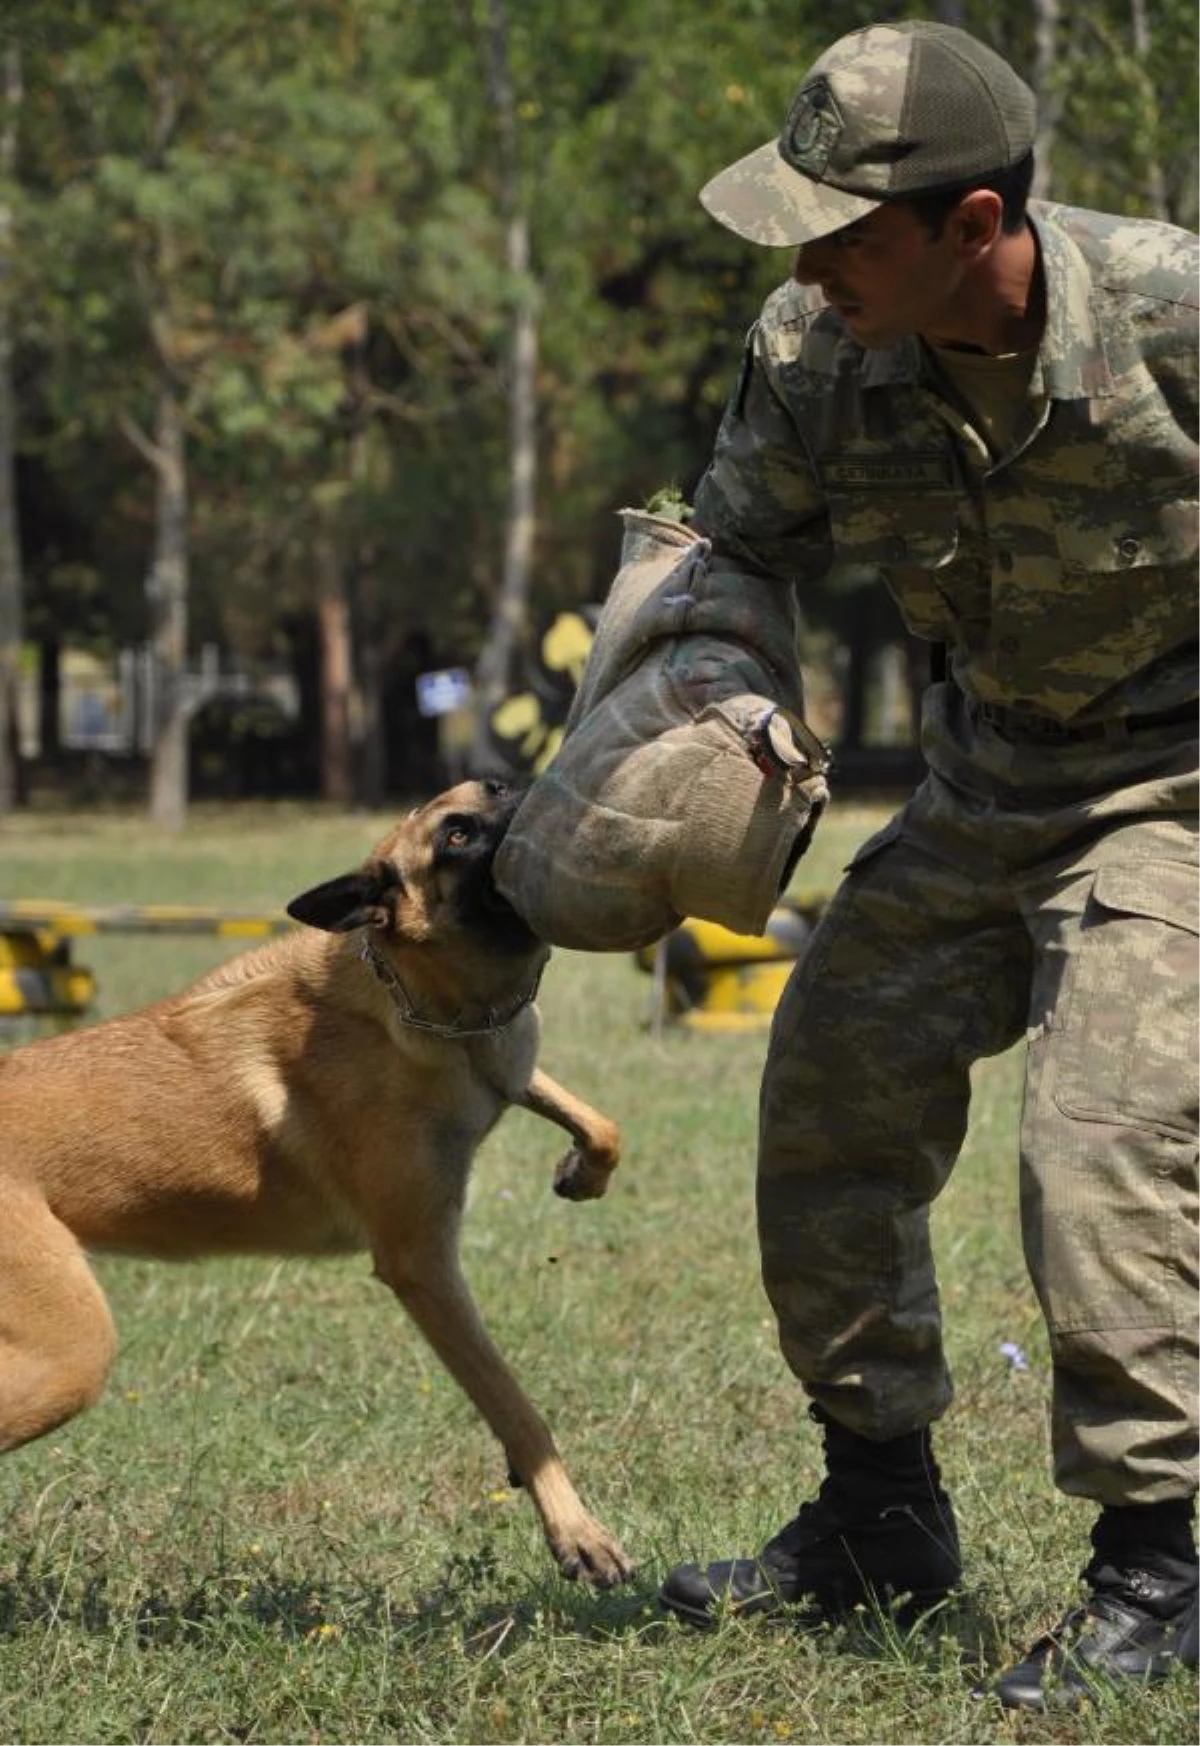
point(712, 979)
point(37, 976)
point(128, 918)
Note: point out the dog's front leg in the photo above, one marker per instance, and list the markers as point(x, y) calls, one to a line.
point(583, 1173)
point(432, 1289)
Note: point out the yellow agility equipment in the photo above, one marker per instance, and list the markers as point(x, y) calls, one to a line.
point(37, 976)
point(710, 978)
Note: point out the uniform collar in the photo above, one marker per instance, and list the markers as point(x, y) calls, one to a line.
point(1072, 353)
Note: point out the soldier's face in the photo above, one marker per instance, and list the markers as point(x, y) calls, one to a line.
point(886, 276)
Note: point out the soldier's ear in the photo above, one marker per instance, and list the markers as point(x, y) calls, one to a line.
point(365, 898)
point(979, 220)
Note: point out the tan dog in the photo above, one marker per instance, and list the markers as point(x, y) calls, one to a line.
point(324, 1093)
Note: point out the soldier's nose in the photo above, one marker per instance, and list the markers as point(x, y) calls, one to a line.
point(811, 261)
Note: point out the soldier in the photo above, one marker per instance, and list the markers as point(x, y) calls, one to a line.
point(995, 405)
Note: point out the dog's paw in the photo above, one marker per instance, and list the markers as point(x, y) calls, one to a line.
point(593, 1556)
point(578, 1176)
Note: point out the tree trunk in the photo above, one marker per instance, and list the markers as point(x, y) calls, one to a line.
point(337, 673)
point(49, 698)
point(371, 668)
point(167, 591)
point(10, 542)
point(493, 672)
point(1045, 76)
point(1156, 181)
point(168, 580)
point(370, 656)
point(855, 681)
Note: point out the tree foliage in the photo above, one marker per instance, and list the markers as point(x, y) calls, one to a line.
point(293, 216)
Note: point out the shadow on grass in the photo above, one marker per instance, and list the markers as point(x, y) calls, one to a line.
point(967, 1632)
point(41, 1598)
point(299, 1606)
point(468, 1600)
point(965, 1637)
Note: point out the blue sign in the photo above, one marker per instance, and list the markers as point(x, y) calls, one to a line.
point(439, 693)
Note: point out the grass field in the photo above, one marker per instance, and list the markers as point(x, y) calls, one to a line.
point(283, 1523)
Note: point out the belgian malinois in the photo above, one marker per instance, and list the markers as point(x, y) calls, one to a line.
point(324, 1093)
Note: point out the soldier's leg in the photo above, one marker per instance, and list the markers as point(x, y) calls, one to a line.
point(1108, 1167)
point(917, 970)
point(1108, 1161)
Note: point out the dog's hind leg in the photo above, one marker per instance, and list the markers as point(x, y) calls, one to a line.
point(57, 1339)
point(432, 1289)
point(583, 1173)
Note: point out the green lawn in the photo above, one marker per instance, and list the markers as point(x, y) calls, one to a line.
point(283, 1523)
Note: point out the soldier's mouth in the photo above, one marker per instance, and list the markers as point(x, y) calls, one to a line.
point(842, 305)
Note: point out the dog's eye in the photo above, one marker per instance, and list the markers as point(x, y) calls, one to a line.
point(459, 833)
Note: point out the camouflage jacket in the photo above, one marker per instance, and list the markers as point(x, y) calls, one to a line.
point(1062, 576)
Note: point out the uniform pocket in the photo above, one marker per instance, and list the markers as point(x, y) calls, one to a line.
point(1126, 1052)
point(911, 539)
point(1147, 535)
point(874, 529)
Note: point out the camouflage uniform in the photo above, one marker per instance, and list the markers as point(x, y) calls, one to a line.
point(1041, 881)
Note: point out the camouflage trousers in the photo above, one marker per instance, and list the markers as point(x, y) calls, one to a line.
point(1035, 892)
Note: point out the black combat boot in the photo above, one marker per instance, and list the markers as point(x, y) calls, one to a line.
point(881, 1531)
point(1139, 1619)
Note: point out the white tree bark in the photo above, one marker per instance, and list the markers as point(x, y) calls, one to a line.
point(167, 577)
point(1045, 85)
point(167, 581)
point(1156, 181)
point(510, 611)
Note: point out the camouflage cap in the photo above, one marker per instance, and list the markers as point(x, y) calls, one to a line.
point(889, 111)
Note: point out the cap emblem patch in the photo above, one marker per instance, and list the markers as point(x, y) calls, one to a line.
point(812, 129)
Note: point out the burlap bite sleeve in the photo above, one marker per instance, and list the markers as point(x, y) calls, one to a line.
point(687, 783)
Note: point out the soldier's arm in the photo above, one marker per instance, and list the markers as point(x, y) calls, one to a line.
point(761, 500)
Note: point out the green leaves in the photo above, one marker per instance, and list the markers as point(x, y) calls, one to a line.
point(216, 184)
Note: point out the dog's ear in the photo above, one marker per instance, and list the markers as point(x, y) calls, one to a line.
point(363, 899)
